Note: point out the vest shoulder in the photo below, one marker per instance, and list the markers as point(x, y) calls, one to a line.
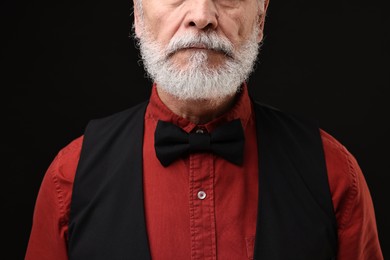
point(120, 117)
point(275, 114)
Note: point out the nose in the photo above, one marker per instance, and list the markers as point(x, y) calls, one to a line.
point(203, 15)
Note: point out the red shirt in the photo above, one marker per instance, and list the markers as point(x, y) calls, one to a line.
point(201, 206)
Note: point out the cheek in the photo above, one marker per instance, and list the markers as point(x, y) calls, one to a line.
point(162, 26)
point(237, 29)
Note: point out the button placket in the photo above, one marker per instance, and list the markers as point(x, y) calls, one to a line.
point(203, 238)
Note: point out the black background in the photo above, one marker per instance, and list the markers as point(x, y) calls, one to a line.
point(65, 62)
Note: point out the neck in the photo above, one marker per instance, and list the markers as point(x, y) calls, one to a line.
point(194, 110)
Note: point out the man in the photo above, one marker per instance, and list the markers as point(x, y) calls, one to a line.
point(201, 170)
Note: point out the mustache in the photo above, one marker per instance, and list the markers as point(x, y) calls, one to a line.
point(210, 41)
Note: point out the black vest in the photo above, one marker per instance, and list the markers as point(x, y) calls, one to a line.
point(295, 212)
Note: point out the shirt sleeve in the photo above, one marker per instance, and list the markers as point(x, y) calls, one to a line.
point(353, 205)
point(48, 237)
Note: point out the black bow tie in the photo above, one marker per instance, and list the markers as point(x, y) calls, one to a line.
point(227, 141)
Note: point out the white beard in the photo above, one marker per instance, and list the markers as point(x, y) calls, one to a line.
point(198, 81)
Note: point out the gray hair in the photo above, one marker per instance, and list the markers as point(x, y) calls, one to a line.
point(138, 7)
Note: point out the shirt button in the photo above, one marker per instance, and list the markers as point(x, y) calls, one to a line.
point(199, 131)
point(201, 195)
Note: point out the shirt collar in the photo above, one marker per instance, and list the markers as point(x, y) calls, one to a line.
point(242, 109)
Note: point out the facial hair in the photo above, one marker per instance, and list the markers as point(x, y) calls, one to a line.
point(197, 80)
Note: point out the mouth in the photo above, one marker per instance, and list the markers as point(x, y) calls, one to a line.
point(196, 48)
point(202, 48)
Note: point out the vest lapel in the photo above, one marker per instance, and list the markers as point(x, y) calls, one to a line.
point(295, 213)
point(107, 219)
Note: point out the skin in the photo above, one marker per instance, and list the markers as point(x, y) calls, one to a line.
point(233, 19)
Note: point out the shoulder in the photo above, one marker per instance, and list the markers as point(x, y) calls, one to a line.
point(341, 163)
point(120, 117)
point(335, 152)
point(63, 167)
point(65, 163)
point(57, 184)
point(344, 175)
point(275, 116)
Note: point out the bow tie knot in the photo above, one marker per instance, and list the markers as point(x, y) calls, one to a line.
point(199, 142)
point(226, 141)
